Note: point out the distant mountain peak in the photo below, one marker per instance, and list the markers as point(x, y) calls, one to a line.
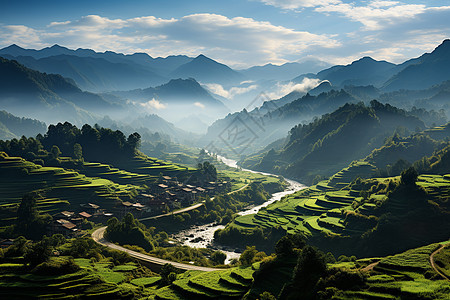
point(203, 58)
point(444, 47)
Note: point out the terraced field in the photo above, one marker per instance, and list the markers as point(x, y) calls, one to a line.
point(321, 209)
point(96, 280)
point(408, 275)
point(114, 174)
point(61, 187)
point(226, 284)
point(151, 166)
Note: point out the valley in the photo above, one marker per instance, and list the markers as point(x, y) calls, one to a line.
point(132, 174)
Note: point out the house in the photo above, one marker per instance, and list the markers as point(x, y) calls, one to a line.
point(66, 214)
point(64, 227)
point(84, 215)
point(145, 198)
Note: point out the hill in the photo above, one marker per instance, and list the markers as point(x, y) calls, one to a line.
point(95, 71)
point(94, 74)
point(423, 72)
point(270, 122)
point(283, 72)
point(207, 70)
point(13, 127)
point(364, 71)
point(46, 96)
point(330, 143)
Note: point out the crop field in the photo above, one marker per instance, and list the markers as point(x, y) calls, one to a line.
point(114, 174)
point(62, 187)
point(151, 166)
point(241, 178)
point(231, 283)
point(96, 280)
point(321, 209)
point(407, 275)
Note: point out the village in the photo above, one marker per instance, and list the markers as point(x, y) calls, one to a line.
point(165, 195)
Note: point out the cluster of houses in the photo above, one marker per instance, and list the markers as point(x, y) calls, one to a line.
point(168, 193)
point(68, 223)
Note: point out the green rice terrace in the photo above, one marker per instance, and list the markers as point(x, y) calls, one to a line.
point(321, 210)
point(62, 187)
point(93, 182)
point(407, 275)
point(227, 284)
point(120, 176)
point(95, 280)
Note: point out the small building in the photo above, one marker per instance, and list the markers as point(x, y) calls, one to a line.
point(145, 198)
point(84, 215)
point(64, 227)
point(66, 214)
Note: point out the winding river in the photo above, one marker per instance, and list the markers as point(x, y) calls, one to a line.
point(202, 236)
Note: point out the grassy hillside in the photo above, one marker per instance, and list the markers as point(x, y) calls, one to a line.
point(330, 143)
point(226, 284)
point(362, 217)
point(62, 188)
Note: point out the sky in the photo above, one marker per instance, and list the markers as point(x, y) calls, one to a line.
point(239, 33)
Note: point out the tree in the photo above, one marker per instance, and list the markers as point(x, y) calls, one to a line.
point(409, 177)
point(311, 265)
point(167, 272)
point(27, 212)
point(39, 252)
point(134, 142)
point(29, 222)
point(218, 257)
point(77, 151)
point(248, 255)
point(55, 151)
point(284, 247)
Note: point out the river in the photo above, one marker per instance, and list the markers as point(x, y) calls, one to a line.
point(202, 236)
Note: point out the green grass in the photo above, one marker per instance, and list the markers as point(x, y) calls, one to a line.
point(62, 188)
point(93, 280)
point(145, 281)
point(231, 283)
point(414, 259)
point(442, 261)
point(320, 209)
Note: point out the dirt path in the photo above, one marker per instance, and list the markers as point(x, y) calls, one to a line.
point(433, 264)
point(369, 267)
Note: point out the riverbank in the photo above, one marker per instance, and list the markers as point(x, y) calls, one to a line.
point(203, 236)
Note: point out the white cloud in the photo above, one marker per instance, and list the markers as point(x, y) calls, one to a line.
point(295, 4)
point(232, 92)
point(198, 104)
point(238, 41)
point(376, 15)
point(284, 89)
point(153, 104)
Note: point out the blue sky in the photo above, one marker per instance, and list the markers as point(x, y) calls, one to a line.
point(239, 33)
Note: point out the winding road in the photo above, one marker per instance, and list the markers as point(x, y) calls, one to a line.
point(98, 237)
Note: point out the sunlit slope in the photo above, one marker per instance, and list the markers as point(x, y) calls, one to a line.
point(226, 284)
point(323, 209)
point(61, 187)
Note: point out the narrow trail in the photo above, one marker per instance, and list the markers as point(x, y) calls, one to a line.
point(433, 265)
point(369, 267)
